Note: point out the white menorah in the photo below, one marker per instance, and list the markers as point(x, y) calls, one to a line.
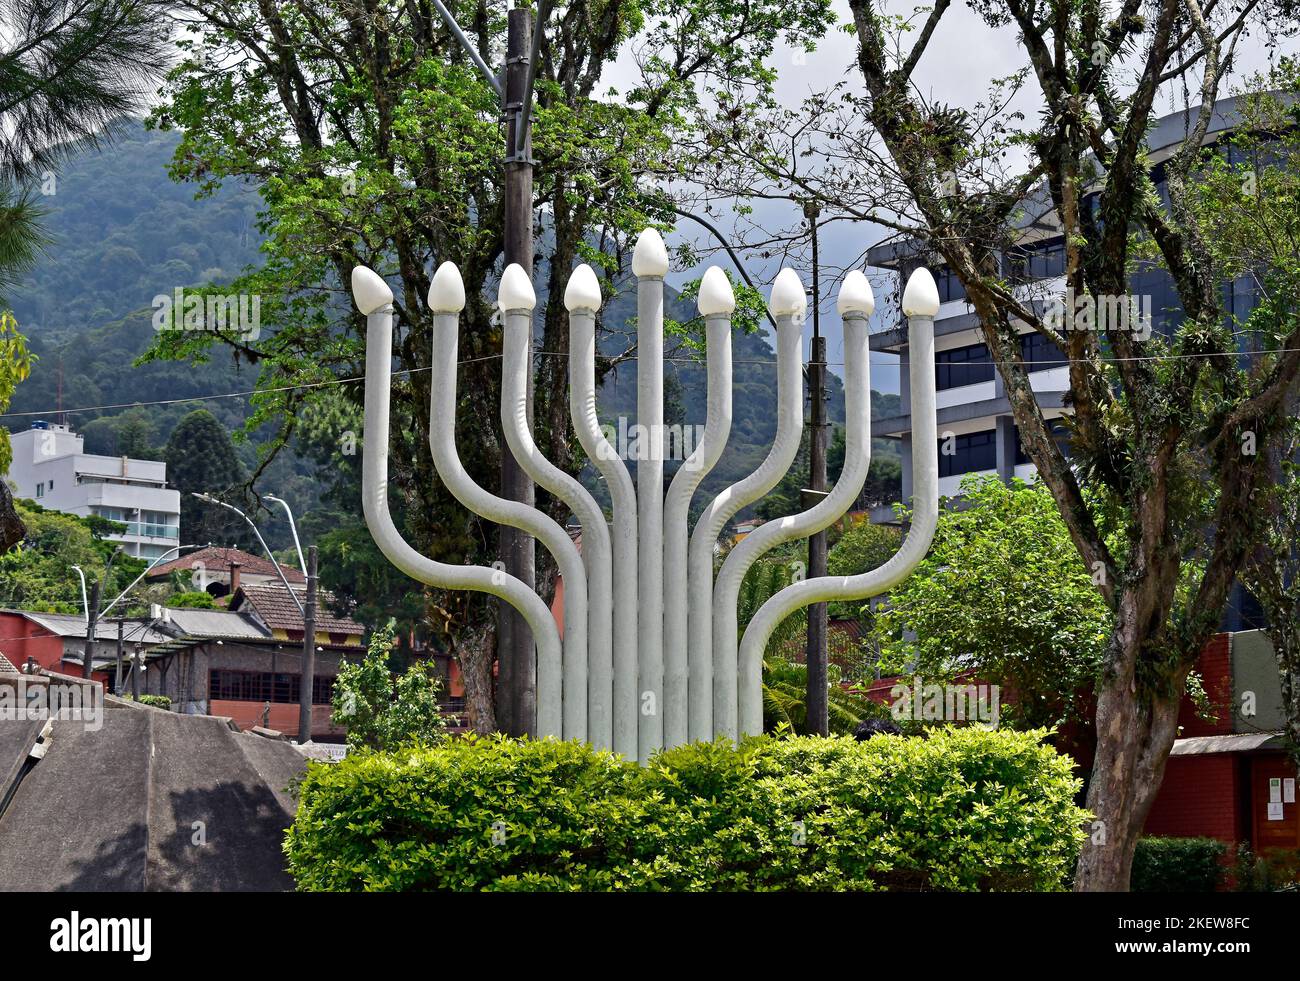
point(650, 655)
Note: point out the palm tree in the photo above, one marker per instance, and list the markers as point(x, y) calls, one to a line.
point(69, 71)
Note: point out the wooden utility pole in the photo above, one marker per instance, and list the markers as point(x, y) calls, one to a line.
point(92, 619)
point(307, 679)
point(817, 703)
point(517, 679)
point(117, 674)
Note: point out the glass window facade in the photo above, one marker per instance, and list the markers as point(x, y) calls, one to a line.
point(968, 453)
point(962, 366)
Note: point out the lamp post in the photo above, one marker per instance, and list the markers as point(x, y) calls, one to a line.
point(209, 499)
point(293, 527)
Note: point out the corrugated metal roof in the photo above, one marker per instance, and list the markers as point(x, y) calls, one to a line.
point(223, 624)
point(74, 625)
point(1240, 743)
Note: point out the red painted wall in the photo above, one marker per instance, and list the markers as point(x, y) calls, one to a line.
point(1199, 798)
point(283, 717)
point(20, 639)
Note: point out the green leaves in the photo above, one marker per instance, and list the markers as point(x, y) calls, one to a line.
point(964, 809)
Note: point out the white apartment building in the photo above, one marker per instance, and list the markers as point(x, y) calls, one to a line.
point(50, 467)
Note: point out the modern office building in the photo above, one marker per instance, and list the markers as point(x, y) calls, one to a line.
point(976, 431)
point(50, 467)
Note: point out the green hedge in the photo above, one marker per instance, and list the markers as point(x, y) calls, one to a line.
point(964, 809)
point(1177, 865)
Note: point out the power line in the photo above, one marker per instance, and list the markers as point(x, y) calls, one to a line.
point(308, 386)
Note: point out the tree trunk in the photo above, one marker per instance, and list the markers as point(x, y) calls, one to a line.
point(1285, 635)
point(12, 530)
point(1133, 742)
point(476, 654)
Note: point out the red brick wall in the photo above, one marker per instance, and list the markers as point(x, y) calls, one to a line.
point(1215, 668)
point(1198, 798)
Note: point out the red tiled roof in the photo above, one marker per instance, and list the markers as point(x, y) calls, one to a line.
point(218, 559)
point(276, 608)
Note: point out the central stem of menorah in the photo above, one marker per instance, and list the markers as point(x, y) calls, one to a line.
point(650, 655)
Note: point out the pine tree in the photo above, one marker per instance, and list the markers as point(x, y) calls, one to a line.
point(201, 459)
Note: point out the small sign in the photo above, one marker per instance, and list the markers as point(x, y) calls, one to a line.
point(1275, 811)
point(1275, 790)
point(1288, 790)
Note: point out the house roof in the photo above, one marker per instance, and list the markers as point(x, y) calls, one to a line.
point(273, 605)
point(91, 816)
point(1242, 742)
point(135, 629)
point(216, 558)
point(7, 666)
point(213, 624)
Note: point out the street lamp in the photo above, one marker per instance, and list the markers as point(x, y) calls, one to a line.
point(293, 527)
point(209, 499)
point(161, 556)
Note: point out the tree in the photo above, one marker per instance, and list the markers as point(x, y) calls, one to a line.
point(374, 141)
point(381, 712)
point(15, 365)
point(201, 460)
point(1157, 495)
point(1001, 594)
point(37, 574)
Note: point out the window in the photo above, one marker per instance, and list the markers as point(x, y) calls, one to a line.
point(1059, 433)
point(1040, 353)
point(962, 366)
point(966, 454)
point(40, 490)
point(1027, 263)
point(263, 686)
point(949, 285)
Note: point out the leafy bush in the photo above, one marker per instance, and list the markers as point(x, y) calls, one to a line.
point(157, 701)
point(1278, 871)
point(381, 712)
point(965, 809)
point(1177, 865)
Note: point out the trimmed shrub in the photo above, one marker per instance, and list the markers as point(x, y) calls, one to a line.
point(1177, 865)
point(965, 809)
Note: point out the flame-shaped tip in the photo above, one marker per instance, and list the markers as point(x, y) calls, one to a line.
point(788, 297)
point(716, 294)
point(856, 295)
point(650, 257)
point(516, 292)
point(921, 298)
point(447, 291)
point(369, 291)
point(583, 291)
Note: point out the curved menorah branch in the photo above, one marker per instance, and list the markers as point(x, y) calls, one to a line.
point(374, 299)
point(857, 459)
point(786, 306)
point(677, 511)
point(925, 516)
point(446, 298)
point(593, 632)
point(614, 676)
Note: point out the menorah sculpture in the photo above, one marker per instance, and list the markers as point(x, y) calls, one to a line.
point(650, 655)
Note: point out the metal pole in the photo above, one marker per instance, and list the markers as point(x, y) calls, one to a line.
point(818, 707)
point(117, 674)
point(517, 683)
point(305, 683)
point(92, 618)
point(136, 664)
point(293, 527)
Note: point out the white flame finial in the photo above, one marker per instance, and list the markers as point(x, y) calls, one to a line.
point(856, 295)
point(369, 290)
point(716, 294)
point(921, 298)
point(583, 291)
point(650, 257)
point(788, 297)
point(447, 291)
point(516, 292)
